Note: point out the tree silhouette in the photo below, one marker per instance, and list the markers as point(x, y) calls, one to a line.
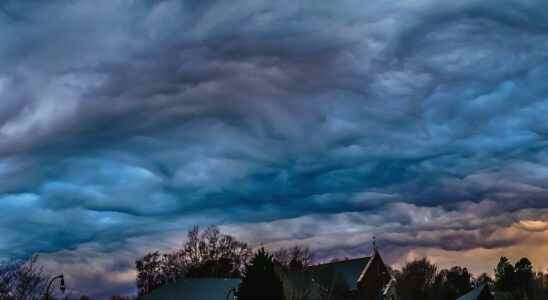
point(292, 266)
point(220, 254)
point(421, 280)
point(452, 283)
point(484, 279)
point(416, 280)
point(149, 272)
point(260, 280)
point(22, 280)
point(519, 282)
point(524, 278)
point(541, 286)
point(504, 275)
point(204, 254)
point(296, 257)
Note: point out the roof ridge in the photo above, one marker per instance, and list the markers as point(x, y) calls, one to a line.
point(342, 261)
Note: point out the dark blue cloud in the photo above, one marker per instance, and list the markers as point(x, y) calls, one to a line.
point(123, 120)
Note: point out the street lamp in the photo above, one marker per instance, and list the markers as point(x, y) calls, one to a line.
point(61, 285)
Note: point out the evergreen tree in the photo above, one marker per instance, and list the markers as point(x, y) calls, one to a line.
point(504, 275)
point(260, 280)
point(524, 278)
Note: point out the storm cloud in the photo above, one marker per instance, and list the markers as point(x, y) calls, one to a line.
point(125, 122)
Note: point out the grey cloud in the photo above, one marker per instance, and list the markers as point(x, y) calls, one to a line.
point(125, 119)
point(397, 226)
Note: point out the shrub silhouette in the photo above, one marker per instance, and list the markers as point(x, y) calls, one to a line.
point(260, 280)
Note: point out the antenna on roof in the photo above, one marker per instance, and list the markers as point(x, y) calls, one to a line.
point(375, 243)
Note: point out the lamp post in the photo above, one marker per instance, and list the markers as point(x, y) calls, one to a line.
point(61, 285)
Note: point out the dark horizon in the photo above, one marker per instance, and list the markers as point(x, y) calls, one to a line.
point(125, 123)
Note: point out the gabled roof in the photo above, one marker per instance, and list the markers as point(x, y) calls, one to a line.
point(364, 270)
point(348, 270)
point(194, 288)
point(475, 294)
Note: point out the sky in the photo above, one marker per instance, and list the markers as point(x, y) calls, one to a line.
point(322, 123)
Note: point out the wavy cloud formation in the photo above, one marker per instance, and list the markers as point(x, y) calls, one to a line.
point(420, 122)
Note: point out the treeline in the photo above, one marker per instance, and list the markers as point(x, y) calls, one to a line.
point(212, 254)
point(204, 254)
point(209, 253)
point(420, 279)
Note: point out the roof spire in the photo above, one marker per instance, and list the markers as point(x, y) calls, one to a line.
point(374, 243)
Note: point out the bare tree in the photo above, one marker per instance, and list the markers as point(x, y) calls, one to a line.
point(149, 272)
point(207, 253)
point(22, 280)
point(292, 268)
point(211, 253)
point(297, 257)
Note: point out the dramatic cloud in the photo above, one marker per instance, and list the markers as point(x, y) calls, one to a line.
point(122, 123)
